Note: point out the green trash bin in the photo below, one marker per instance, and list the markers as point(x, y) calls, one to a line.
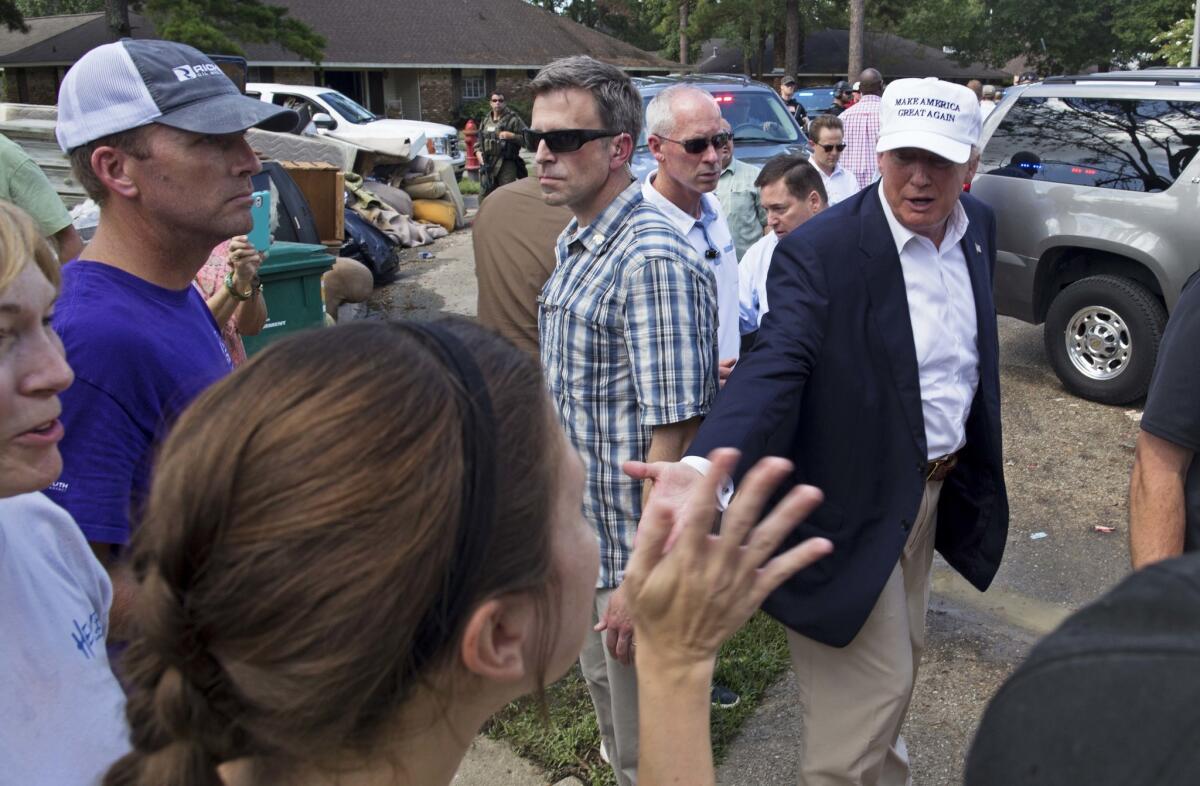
point(291, 280)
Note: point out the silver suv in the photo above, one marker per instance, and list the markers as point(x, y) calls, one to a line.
point(1095, 185)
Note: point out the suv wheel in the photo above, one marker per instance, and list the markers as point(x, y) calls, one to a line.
point(1102, 336)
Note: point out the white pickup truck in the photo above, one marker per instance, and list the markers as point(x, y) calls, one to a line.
point(340, 116)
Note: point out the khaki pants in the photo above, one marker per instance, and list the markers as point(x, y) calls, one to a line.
point(853, 699)
point(613, 688)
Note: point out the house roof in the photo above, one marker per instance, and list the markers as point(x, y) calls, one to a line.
point(826, 54)
point(59, 40)
point(378, 34)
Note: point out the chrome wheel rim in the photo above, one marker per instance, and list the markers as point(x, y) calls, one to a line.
point(1098, 343)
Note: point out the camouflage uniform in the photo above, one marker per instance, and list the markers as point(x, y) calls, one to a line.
point(502, 162)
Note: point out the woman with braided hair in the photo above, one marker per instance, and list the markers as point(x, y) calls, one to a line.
point(369, 539)
point(62, 720)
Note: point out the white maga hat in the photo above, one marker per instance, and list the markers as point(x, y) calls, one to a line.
point(930, 114)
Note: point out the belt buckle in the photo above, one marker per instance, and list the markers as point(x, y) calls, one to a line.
point(934, 466)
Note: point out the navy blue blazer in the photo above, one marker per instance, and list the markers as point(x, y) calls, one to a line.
point(831, 383)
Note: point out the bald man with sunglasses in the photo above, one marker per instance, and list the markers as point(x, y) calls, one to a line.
point(685, 136)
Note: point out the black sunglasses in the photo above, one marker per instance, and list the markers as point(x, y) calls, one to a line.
point(831, 148)
point(566, 140)
point(700, 144)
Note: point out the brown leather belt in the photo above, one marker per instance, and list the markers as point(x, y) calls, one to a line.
point(939, 468)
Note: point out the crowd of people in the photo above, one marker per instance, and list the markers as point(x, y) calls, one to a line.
point(873, 368)
point(336, 562)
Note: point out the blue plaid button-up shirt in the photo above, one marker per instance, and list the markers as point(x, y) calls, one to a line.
point(628, 326)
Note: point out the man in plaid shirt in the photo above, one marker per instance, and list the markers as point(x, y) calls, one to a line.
point(860, 125)
point(628, 326)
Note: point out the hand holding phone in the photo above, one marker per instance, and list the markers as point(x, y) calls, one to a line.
point(260, 212)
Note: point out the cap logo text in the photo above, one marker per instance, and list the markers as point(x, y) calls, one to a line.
point(186, 72)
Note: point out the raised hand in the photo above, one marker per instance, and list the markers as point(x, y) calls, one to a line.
point(686, 600)
point(673, 482)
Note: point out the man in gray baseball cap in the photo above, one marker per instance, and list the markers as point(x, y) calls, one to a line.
point(156, 136)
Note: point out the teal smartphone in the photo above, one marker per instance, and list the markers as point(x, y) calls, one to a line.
point(260, 212)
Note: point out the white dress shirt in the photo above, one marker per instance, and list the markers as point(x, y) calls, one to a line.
point(840, 185)
point(708, 233)
point(941, 306)
point(752, 282)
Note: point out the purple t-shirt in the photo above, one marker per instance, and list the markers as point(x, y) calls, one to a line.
point(140, 354)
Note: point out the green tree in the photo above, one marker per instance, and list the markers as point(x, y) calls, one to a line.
point(1055, 36)
point(56, 7)
point(627, 20)
point(213, 26)
point(11, 16)
point(1174, 47)
point(221, 26)
point(1138, 24)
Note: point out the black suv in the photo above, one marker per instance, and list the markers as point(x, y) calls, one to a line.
point(762, 126)
point(1095, 183)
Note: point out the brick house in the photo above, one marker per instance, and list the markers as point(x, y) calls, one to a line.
point(419, 59)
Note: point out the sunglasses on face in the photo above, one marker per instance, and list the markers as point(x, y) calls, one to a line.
point(831, 148)
point(700, 143)
point(566, 140)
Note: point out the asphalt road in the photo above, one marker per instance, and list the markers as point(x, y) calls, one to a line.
point(1067, 466)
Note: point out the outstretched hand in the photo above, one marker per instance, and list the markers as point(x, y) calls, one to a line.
point(687, 599)
point(672, 486)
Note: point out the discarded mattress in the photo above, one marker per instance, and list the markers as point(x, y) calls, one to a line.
point(296, 147)
point(391, 146)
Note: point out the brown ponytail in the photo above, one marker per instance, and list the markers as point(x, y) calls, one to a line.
point(302, 527)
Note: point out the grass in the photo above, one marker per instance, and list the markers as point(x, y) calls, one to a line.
point(468, 186)
point(570, 743)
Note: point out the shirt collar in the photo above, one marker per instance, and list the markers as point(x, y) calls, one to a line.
point(682, 221)
point(836, 169)
point(956, 226)
point(596, 234)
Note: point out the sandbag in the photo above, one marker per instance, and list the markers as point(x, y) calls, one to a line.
point(412, 178)
point(392, 197)
point(421, 165)
point(426, 190)
point(435, 211)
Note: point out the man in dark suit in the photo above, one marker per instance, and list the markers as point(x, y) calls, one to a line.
point(876, 371)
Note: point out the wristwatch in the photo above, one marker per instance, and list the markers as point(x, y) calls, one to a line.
point(241, 297)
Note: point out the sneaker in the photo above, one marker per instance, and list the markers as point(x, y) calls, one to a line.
point(724, 698)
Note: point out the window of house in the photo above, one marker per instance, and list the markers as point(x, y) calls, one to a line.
point(473, 88)
point(1126, 144)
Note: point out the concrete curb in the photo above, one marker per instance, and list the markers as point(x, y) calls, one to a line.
point(492, 763)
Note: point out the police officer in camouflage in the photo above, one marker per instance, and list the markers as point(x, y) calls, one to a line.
point(500, 146)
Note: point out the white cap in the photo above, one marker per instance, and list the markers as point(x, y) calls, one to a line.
point(937, 116)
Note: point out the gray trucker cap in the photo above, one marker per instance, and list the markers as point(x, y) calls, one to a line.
point(131, 83)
